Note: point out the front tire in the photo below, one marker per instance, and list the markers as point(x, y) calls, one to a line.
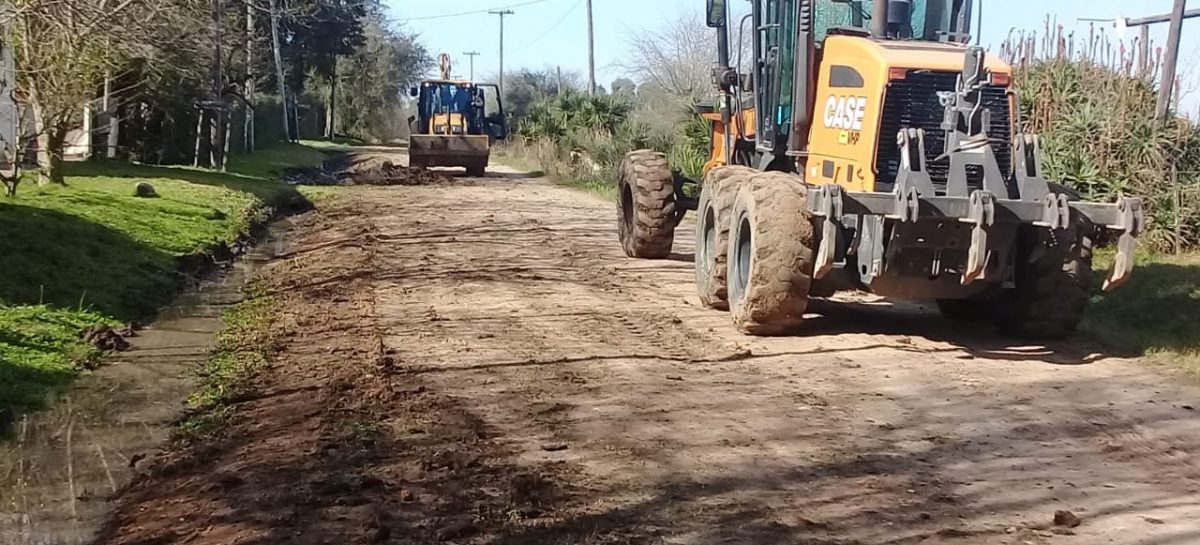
point(646, 208)
point(1053, 283)
point(770, 255)
point(712, 232)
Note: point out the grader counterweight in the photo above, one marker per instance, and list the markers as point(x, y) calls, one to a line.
point(871, 148)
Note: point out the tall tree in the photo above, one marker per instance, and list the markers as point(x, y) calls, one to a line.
point(389, 62)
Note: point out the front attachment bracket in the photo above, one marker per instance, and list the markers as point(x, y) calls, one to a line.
point(1056, 212)
point(1030, 183)
point(829, 206)
point(1131, 220)
point(913, 174)
point(982, 213)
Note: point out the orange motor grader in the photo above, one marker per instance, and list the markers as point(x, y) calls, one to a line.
point(869, 147)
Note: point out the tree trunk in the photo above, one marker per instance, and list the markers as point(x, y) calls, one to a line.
point(248, 127)
point(50, 156)
point(50, 140)
point(199, 137)
point(287, 133)
point(331, 108)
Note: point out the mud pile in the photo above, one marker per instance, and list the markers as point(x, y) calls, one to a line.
point(388, 173)
point(363, 169)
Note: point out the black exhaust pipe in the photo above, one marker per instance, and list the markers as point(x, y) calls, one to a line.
point(879, 19)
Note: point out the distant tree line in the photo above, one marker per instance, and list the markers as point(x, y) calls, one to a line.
point(170, 81)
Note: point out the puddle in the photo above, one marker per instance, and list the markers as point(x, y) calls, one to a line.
point(62, 463)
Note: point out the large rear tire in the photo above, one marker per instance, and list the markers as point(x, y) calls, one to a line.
point(646, 208)
point(712, 232)
point(770, 255)
point(1053, 283)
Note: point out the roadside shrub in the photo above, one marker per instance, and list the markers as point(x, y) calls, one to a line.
point(1094, 109)
point(585, 137)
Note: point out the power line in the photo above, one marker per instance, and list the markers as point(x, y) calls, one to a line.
point(473, 12)
point(553, 26)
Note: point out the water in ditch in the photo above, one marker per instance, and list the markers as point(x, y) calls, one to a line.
point(61, 464)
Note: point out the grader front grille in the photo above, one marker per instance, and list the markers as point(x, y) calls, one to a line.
point(913, 103)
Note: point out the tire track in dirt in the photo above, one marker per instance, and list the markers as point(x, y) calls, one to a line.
point(519, 382)
point(884, 425)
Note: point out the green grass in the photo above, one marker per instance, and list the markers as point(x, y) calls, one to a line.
point(243, 346)
point(91, 252)
point(40, 352)
point(1156, 312)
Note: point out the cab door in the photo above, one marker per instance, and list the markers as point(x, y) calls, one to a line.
point(775, 48)
point(495, 123)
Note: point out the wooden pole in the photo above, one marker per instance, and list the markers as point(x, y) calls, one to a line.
point(1163, 110)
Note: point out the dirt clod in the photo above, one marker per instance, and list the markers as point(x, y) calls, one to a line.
point(1066, 518)
point(105, 337)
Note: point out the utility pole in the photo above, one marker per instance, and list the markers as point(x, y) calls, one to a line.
point(502, 13)
point(591, 52)
point(1169, 65)
point(1171, 60)
point(472, 55)
point(1143, 54)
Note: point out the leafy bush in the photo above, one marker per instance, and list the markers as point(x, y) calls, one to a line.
point(585, 137)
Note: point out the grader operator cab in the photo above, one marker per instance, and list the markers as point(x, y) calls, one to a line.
point(456, 122)
point(871, 148)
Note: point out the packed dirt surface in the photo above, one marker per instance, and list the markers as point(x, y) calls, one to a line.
point(475, 362)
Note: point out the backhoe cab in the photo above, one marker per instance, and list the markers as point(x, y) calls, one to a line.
point(456, 123)
point(869, 147)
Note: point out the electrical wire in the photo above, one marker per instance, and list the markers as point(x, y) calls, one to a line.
point(552, 27)
point(473, 12)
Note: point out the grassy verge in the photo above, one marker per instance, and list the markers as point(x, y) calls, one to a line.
point(91, 252)
point(242, 346)
point(1156, 313)
point(544, 159)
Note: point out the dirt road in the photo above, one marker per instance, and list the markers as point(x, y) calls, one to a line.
point(474, 362)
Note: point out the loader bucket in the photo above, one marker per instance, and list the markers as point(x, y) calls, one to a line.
point(460, 150)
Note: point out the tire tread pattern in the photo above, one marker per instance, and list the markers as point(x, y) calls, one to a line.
point(782, 256)
point(650, 232)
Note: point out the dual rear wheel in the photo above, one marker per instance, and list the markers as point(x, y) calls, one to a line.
point(754, 237)
point(754, 248)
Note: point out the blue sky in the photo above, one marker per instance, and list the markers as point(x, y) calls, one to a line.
point(554, 32)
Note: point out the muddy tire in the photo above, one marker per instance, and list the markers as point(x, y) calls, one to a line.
point(712, 232)
point(770, 255)
point(646, 212)
point(477, 170)
point(1053, 283)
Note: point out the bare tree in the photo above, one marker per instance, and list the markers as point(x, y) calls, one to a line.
point(677, 57)
point(63, 50)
